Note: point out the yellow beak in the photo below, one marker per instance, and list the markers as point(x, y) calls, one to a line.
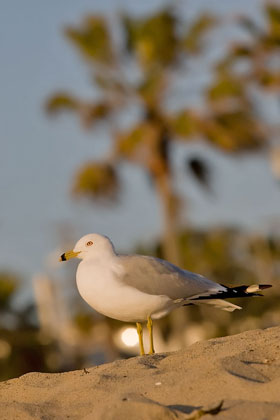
point(68, 255)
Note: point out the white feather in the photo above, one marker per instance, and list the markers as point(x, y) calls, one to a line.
point(253, 288)
point(218, 303)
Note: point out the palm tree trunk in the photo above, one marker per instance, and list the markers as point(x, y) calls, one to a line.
point(170, 241)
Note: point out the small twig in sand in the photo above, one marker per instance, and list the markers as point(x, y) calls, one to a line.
point(196, 414)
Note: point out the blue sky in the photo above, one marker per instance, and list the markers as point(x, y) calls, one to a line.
point(39, 155)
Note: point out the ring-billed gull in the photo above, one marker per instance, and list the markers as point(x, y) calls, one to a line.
point(138, 288)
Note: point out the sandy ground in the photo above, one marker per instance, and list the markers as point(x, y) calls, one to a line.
point(242, 370)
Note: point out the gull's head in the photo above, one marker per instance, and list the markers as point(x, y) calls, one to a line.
point(90, 246)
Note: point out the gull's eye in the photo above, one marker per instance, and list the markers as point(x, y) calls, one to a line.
point(89, 243)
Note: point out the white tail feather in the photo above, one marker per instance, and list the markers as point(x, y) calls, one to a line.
point(253, 288)
point(218, 303)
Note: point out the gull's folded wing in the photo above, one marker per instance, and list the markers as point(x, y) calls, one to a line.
point(158, 277)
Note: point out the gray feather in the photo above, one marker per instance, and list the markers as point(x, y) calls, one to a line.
point(158, 277)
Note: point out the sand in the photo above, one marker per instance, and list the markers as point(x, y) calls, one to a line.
point(243, 371)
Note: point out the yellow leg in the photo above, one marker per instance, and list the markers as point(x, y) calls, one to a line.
point(140, 336)
point(150, 328)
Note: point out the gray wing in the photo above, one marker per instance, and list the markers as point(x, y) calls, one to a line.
point(158, 277)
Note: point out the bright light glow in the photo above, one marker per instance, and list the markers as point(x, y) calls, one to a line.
point(129, 337)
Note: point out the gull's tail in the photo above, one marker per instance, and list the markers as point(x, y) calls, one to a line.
point(235, 292)
point(217, 299)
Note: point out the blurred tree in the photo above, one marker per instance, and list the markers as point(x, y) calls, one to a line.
point(249, 68)
point(23, 346)
point(140, 69)
point(8, 285)
point(20, 347)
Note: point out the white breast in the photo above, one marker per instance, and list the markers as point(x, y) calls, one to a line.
point(102, 290)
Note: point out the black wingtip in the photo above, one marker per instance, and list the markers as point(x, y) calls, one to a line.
point(236, 292)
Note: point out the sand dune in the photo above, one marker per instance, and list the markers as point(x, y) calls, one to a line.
point(242, 370)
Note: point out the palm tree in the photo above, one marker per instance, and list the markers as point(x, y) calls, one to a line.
point(138, 68)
